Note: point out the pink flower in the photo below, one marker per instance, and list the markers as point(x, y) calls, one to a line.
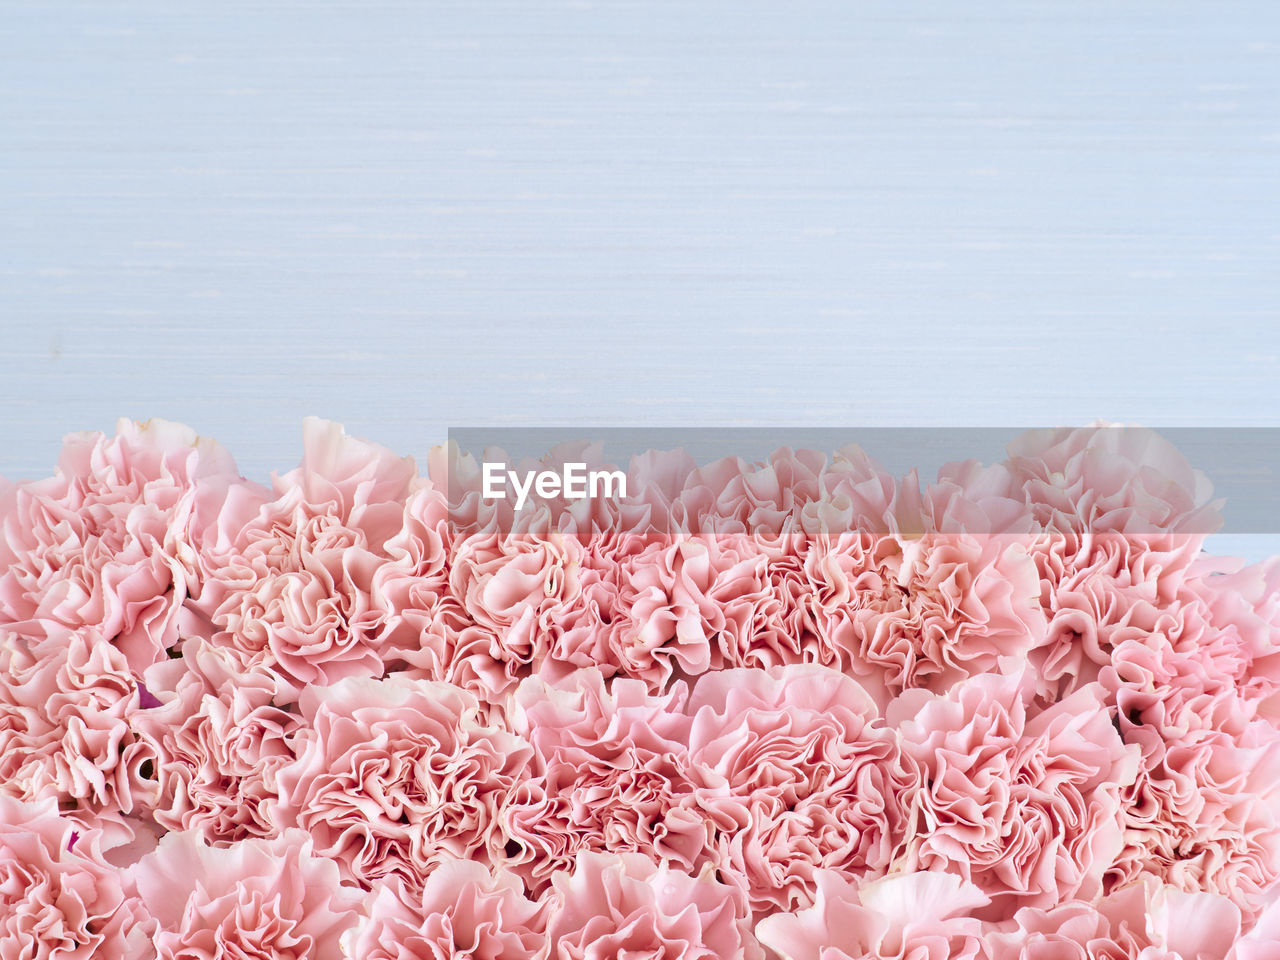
point(763, 499)
point(105, 543)
point(1101, 589)
point(416, 581)
point(511, 586)
point(610, 772)
point(1243, 603)
point(811, 779)
point(1024, 805)
point(920, 916)
point(660, 608)
point(66, 706)
point(59, 903)
point(1111, 478)
point(1124, 517)
point(1204, 812)
point(463, 912)
point(394, 776)
point(218, 741)
point(668, 617)
point(256, 898)
point(1263, 941)
point(1143, 921)
point(625, 905)
point(289, 582)
point(929, 611)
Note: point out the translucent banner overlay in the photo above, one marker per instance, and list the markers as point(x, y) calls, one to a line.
point(908, 481)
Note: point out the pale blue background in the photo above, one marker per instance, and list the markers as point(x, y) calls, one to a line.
point(408, 215)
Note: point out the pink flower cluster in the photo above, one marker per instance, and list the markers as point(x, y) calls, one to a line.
point(798, 709)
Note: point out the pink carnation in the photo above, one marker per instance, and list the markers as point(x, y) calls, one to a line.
point(811, 779)
point(610, 772)
point(66, 706)
point(1100, 590)
point(929, 611)
point(1263, 941)
point(1111, 478)
point(393, 776)
point(1024, 805)
point(668, 617)
point(463, 912)
point(218, 741)
point(764, 499)
point(663, 608)
point(256, 898)
point(625, 905)
point(1142, 922)
point(1204, 812)
point(59, 903)
point(1243, 603)
point(920, 916)
point(289, 581)
point(511, 585)
point(1124, 517)
point(105, 543)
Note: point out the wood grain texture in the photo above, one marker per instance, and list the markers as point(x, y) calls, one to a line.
point(407, 215)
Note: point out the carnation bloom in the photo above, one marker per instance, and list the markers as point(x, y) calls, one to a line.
point(1143, 921)
point(511, 585)
point(1243, 603)
point(610, 772)
point(463, 911)
point(1111, 478)
point(667, 616)
point(809, 779)
point(625, 905)
point(56, 902)
point(105, 542)
point(289, 580)
point(1204, 811)
point(926, 611)
point(218, 741)
point(921, 916)
point(393, 776)
point(66, 706)
point(1124, 517)
point(256, 898)
point(1024, 805)
point(765, 499)
point(1263, 941)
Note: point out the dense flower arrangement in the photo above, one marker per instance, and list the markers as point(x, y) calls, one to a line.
point(794, 709)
